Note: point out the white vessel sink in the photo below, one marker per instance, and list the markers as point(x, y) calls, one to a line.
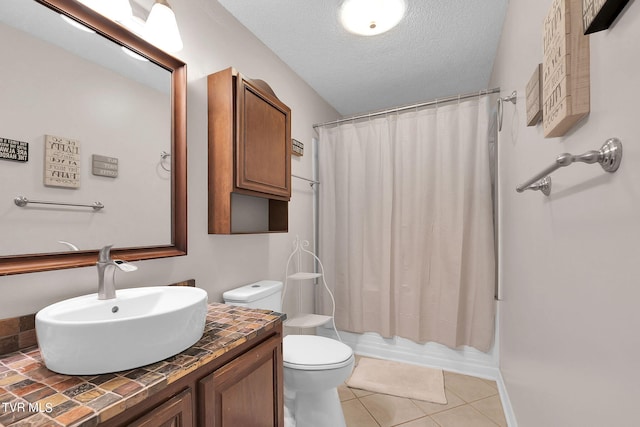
point(87, 336)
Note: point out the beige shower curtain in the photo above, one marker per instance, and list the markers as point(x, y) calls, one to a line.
point(406, 226)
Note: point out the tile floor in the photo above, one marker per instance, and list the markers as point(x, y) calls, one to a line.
point(472, 402)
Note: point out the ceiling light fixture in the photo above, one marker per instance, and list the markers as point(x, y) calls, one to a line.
point(371, 17)
point(161, 27)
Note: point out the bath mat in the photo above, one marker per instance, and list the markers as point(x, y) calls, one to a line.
point(399, 379)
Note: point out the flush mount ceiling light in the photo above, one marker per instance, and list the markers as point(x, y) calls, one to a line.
point(371, 17)
point(161, 27)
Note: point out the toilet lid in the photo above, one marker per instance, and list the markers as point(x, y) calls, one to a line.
point(312, 352)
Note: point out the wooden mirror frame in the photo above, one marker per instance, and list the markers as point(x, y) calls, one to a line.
point(43, 262)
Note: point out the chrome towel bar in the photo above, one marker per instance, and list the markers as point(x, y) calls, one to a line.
point(609, 157)
point(22, 201)
point(311, 181)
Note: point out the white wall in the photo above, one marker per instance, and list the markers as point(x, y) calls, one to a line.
point(569, 317)
point(213, 40)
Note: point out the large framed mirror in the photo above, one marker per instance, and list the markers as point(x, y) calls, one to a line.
point(125, 105)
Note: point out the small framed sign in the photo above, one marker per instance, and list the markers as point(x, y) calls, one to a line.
point(17, 151)
point(297, 147)
point(534, 97)
point(598, 15)
point(104, 166)
point(61, 162)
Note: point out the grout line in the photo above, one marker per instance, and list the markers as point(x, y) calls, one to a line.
point(367, 409)
point(429, 416)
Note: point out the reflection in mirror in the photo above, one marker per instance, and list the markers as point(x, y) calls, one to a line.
point(90, 114)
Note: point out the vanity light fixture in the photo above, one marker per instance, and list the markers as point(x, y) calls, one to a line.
point(116, 10)
point(161, 27)
point(119, 10)
point(371, 17)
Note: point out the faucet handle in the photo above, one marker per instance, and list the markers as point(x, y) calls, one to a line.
point(105, 254)
point(124, 265)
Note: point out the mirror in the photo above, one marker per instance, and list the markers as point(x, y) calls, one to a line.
point(119, 111)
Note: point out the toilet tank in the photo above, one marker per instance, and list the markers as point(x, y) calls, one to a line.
point(265, 294)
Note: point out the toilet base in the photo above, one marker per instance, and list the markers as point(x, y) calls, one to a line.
point(315, 409)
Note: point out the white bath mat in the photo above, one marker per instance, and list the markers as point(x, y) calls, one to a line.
point(399, 379)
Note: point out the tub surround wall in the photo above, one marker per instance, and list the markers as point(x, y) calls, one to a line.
point(213, 41)
point(568, 352)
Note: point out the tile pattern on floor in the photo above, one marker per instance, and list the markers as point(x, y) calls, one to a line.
point(471, 402)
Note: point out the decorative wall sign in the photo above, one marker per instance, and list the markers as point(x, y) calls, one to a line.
point(14, 150)
point(565, 68)
point(104, 166)
point(297, 147)
point(61, 162)
point(598, 15)
point(534, 97)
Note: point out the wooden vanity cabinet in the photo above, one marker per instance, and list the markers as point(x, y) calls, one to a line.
point(175, 412)
point(243, 387)
point(244, 391)
point(249, 151)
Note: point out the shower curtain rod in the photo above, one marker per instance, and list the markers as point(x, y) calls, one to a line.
point(410, 107)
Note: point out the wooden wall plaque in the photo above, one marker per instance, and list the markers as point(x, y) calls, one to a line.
point(61, 162)
point(534, 97)
point(565, 68)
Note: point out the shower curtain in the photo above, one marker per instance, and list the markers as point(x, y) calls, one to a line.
point(406, 226)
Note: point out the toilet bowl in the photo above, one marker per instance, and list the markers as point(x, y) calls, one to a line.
point(314, 366)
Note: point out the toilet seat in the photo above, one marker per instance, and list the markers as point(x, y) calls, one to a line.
point(315, 353)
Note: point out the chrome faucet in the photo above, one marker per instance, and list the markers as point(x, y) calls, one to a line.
point(107, 272)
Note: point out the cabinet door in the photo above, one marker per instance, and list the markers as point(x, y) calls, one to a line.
point(175, 412)
point(263, 151)
point(245, 392)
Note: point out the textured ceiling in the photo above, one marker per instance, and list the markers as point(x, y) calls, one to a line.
point(441, 48)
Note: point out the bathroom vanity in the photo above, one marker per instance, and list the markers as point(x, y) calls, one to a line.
point(231, 377)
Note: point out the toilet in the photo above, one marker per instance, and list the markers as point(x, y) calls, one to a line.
point(314, 366)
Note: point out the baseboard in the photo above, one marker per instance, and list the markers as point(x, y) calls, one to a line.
point(509, 415)
point(467, 361)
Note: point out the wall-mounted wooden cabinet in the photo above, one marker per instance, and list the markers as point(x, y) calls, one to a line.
point(249, 155)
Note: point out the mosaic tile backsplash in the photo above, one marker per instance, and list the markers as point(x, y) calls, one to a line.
point(31, 395)
point(17, 333)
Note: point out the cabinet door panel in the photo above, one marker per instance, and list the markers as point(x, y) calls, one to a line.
point(263, 160)
point(246, 391)
point(175, 412)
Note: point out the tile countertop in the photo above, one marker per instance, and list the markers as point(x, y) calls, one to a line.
point(31, 395)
